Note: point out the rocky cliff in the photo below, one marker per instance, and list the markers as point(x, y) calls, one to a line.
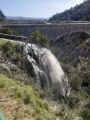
point(71, 46)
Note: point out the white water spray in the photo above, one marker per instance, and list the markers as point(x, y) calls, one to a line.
point(46, 68)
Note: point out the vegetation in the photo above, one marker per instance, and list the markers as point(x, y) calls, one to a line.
point(24, 99)
point(81, 77)
point(13, 51)
point(78, 13)
point(80, 85)
point(82, 35)
point(2, 16)
point(40, 39)
point(85, 113)
point(78, 103)
point(8, 31)
point(28, 100)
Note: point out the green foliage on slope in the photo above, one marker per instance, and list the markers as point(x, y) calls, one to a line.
point(78, 13)
point(8, 31)
point(2, 16)
point(81, 76)
point(13, 51)
point(27, 100)
point(40, 39)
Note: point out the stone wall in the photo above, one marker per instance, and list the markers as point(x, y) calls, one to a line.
point(53, 31)
point(13, 37)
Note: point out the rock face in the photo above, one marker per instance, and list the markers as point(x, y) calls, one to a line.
point(69, 47)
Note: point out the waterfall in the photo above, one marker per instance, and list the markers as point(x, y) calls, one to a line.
point(46, 68)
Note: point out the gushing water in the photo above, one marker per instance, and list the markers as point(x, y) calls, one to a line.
point(46, 68)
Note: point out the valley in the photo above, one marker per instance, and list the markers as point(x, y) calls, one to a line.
point(45, 62)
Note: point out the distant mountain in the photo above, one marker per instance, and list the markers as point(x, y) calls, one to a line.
point(80, 12)
point(24, 18)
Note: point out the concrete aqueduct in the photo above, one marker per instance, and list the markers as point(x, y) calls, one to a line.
point(53, 31)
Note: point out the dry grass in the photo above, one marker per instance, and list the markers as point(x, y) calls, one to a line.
point(13, 106)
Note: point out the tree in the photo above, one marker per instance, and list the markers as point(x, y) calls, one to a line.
point(78, 13)
point(2, 16)
point(81, 76)
point(36, 37)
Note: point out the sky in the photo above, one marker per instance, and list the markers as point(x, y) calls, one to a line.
point(36, 8)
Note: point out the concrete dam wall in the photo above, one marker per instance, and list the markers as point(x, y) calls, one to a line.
point(53, 31)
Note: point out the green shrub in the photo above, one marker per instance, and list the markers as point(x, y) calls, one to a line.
point(75, 82)
point(39, 118)
point(18, 94)
point(73, 101)
point(85, 112)
point(2, 85)
point(27, 99)
point(40, 39)
point(81, 74)
point(27, 111)
point(7, 46)
point(46, 106)
point(12, 50)
point(83, 69)
point(58, 113)
point(6, 30)
point(40, 104)
point(37, 110)
point(82, 35)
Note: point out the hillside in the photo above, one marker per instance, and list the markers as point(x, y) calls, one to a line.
point(18, 100)
point(21, 102)
point(71, 46)
point(78, 13)
point(2, 16)
point(22, 98)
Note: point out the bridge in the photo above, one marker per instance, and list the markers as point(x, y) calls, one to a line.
point(53, 31)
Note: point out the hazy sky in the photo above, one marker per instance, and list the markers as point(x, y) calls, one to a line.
point(36, 8)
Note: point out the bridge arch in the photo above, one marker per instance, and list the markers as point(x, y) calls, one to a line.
point(51, 30)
